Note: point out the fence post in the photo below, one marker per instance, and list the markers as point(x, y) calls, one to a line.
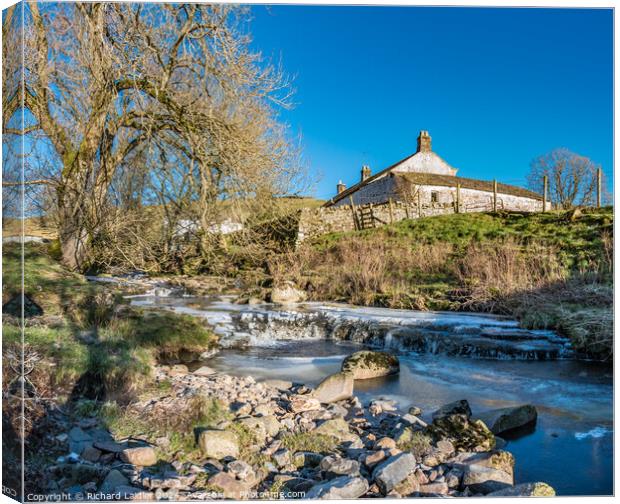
point(545, 184)
point(354, 214)
point(391, 211)
point(494, 195)
point(599, 180)
point(458, 198)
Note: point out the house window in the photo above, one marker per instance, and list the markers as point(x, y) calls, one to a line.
point(434, 197)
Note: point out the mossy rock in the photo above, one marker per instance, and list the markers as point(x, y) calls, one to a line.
point(465, 435)
point(370, 364)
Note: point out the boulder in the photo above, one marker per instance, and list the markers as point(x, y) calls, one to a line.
point(263, 426)
point(278, 384)
point(538, 489)
point(505, 419)
point(139, 456)
point(370, 364)
point(454, 408)
point(338, 428)
point(114, 479)
point(287, 293)
point(335, 466)
point(482, 479)
point(307, 459)
point(393, 471)
point(465, 435)
point(300, 403)
point(344, 487)
point(496, 459)
point(204, 371)
point(334, 388)
point(218, 444)
point(231, 487)
point(434, 488)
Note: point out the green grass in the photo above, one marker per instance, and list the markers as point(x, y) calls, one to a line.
point(309, 441)
point(89, 345)
point(549, 270)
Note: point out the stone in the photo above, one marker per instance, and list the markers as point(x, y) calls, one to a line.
point(263, 409)
point(204, 371)
point(344, 487)
point(373, 458)
point(445, 446)
point(335, 466)
point(230, 487)
point(334, 388)
point(496, 459)
point(282, 457)
point(287, 293)
point(281, 385)
point(83, 473)
point(114, 479)
point(481, 479)
point(168, 479)
point(538, 489)
point(338, 428)
point(505, 419)
point(91, 454)
point(435, 488)
point(263, 427)
point(408, 486)
point(139, 456)
point(241, 470)
point(454, 408)
point(178, 370)
point(218, 444)
point(300, 403)
point(307, 459)
point(78, 440)
point(415, 411)
point(368, 364)
point(465, 435)
point(384, 443)
point(393, 471)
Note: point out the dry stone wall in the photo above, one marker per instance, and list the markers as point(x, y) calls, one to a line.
point(319, 221)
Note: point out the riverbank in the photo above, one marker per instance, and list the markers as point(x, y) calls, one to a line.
point(99, 366)
point(549, 271)
point(208, 435)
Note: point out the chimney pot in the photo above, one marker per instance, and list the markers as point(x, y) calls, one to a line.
point(340, 187)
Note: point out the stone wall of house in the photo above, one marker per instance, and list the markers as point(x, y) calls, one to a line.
point(338, 218)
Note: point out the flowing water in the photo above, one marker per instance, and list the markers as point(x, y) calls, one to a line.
point(444, 357)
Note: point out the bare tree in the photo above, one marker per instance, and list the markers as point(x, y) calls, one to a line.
point(106, 81)
point(572, 178)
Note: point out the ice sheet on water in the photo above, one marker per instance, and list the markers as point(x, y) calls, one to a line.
point(597, 432)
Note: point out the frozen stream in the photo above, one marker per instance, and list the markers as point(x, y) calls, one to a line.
point(444, 357)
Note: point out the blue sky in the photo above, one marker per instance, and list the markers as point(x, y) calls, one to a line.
point(495, 87)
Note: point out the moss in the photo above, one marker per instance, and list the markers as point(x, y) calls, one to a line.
point(309, 441)
point(418, 443)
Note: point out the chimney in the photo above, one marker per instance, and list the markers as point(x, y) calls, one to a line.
point(365, 172)
point(424, 142)
point(340, 187)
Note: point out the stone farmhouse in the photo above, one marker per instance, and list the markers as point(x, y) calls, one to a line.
point(421, 185)
point(424, 178)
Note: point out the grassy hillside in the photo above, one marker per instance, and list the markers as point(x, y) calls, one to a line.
point(89, 341)
point(551, 270)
